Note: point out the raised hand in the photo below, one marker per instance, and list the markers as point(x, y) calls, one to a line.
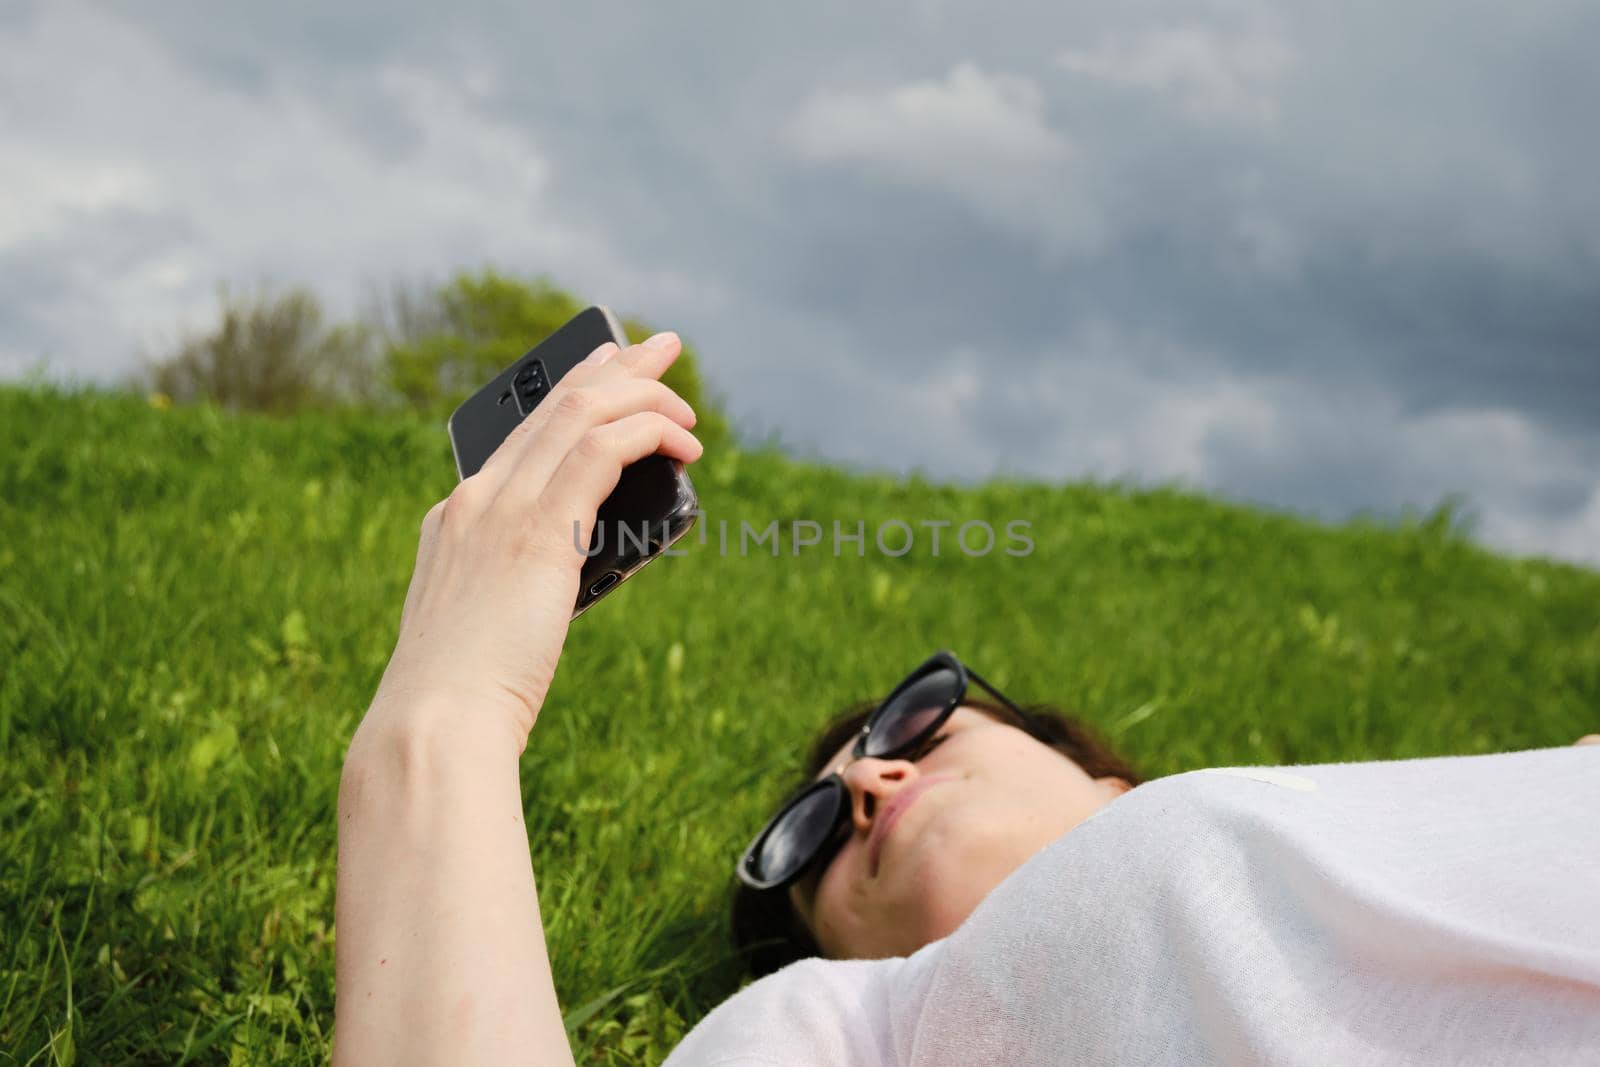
point(498, 563)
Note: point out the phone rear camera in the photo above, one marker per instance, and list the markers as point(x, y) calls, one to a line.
point(606, 581)
point(531, 383)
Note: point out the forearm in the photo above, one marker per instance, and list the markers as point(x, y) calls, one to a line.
point(441, 955)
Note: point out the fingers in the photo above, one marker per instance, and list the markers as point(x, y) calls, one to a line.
point(590, 471)
point(652, 356)
point(1588, 739)
point(604, 369)
point(567, 456)
point(580, 411)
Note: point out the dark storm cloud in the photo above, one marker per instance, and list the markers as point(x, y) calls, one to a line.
point(244, 45)
point(1333, 259)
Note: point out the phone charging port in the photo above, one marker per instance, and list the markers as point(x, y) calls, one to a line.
point(605, 581)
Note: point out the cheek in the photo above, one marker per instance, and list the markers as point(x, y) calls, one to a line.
point(1037, 783)
point(974, 845)
point(835, 904)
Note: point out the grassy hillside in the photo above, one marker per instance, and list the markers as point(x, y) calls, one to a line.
point(195, 609)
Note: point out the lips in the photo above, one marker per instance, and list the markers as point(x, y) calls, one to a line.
point(897, 806)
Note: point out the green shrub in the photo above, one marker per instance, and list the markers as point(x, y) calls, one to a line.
point(466, 332)
point(269, 352)
point(426, 350)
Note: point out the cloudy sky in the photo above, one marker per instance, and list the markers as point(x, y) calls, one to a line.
point(1337, 258)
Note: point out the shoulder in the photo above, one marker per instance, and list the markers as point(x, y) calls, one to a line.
point(812, 1011)
point(1310, 792)
point(1180, 833)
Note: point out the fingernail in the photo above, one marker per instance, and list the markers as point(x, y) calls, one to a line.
point(662, 340)
point(601, 354)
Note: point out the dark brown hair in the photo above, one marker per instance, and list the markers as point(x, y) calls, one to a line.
point(769, 933)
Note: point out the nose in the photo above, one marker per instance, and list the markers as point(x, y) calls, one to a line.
point(871, 782)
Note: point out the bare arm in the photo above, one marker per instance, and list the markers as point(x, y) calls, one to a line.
point(440, 954)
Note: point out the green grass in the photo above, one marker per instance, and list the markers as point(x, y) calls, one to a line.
point(195, 609)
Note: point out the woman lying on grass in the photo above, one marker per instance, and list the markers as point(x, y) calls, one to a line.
point(983, 883)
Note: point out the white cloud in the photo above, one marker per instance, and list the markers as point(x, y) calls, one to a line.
point(1210, 73)
point(39, 188)
point(144, 187)
point(970, 119)
point(1527, 489)
point(983, 138)
point(1140, 407)
point(1126, 405)
point(1573, 537)
point(1509, 462)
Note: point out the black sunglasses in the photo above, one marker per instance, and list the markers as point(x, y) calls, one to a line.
point(815, 824)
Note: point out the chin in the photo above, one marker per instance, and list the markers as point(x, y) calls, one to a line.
point(957, 899)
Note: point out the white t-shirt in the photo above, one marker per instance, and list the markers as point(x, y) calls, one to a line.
point(1415, 911)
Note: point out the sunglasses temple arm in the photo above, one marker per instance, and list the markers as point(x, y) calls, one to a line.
point(1001, 697)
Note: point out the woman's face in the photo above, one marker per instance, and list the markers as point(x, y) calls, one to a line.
point(931, 838)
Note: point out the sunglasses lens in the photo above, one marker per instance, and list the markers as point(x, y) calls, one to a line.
point(797, 835)
point(911, 711)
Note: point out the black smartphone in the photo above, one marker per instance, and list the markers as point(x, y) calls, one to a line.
point(654, 503)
